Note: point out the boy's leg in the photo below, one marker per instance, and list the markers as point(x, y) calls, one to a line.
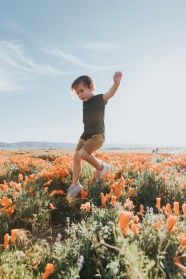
point(90, 159)
point(76, 168)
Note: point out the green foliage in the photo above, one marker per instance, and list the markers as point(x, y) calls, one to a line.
point(90, 244)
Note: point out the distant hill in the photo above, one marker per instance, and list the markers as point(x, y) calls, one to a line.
point(37, 145)
point(26, 145)
point(61, 145)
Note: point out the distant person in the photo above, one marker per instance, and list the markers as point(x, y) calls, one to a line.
point(156, 151)
point(93, 136)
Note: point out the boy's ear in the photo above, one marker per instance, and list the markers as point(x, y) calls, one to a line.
point(92, 88)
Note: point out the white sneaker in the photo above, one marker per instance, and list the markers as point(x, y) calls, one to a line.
point(74, 189)
point(105, 170)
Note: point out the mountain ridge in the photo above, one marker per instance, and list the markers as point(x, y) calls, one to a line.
point(67, 145)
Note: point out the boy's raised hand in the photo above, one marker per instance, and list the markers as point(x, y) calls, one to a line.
point(117, 77)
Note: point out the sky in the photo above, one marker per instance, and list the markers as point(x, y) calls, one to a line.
point(46, 44)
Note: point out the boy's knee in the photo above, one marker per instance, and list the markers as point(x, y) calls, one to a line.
point(82, 154)
point(77, 156)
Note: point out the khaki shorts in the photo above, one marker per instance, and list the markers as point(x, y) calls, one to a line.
point(92, 144)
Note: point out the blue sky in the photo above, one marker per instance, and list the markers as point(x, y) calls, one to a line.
point(45, 45)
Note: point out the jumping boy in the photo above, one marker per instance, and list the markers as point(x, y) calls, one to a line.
point(93, 136)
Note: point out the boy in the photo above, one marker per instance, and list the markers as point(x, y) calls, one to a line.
point(93, 136)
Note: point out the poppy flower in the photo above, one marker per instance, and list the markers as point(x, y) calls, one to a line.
point(176, 208)
point(84, 194)
point(184, 208)
point(171, 220)
point(131, 192)
point(51, 206)
point(14, 235)
point(183, 240)
point(134, 227)
point(124, 218)
point(86, 206)
point(48, 271)
point(158, 203)
point(113, 200)
point(6, 241)
point(140, 213)
point(169, 210)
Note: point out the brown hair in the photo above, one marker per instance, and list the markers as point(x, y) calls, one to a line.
point(86, 80)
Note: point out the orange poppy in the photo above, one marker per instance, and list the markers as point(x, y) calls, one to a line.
point(183, 240)
point(14, 235)
point(5, 201)
point(84, 194)
point(51, 206)
point(171, 220)
point(86, 206)
point(134, 227)
point(113, 200)
point(6, 241)
point(131, 192)
point(158, 203)
point(184, 208)
point(176, 208)
point(124, 218)
point(48, 271)
point(140, 213)
point(168, 207)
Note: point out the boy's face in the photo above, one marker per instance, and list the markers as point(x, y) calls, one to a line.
point(84, 93)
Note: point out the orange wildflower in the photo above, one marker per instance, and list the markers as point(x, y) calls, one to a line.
point(103, 199)
point(51, 206)
point(45, 190)
point(124, 219)
point(18, 186)
point(136, 219)
point(183, 240)
point(176, 260)
point(32, 192)
point(140, 213)
point(4, 188)
point(86, 206)
point(48, 271)
point(84, 194)
point(158, 203)
point(157, 225)
point(47, 183)
point(168, 207)
point(184, 208)
point(20, 176)
point(131, 192)
point(176, 208)
point(171, 220)
point(134, 227)
point(14, 235)
point(5, 201)
point(6, 241)
point(10, 210)
point(56, 192)
point(129, 204)
point(113, 200)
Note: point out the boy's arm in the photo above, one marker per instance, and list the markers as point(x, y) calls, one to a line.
point(117, 78)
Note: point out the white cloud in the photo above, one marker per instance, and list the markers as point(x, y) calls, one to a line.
point(104, 46)
point(66, 55)
point(17, 67)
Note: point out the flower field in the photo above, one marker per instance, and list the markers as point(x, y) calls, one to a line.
point(131, 224)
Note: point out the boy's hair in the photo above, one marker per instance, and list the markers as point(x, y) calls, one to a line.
point(86, 80)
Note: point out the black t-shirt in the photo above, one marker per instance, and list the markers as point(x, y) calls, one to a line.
point(93, 116)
